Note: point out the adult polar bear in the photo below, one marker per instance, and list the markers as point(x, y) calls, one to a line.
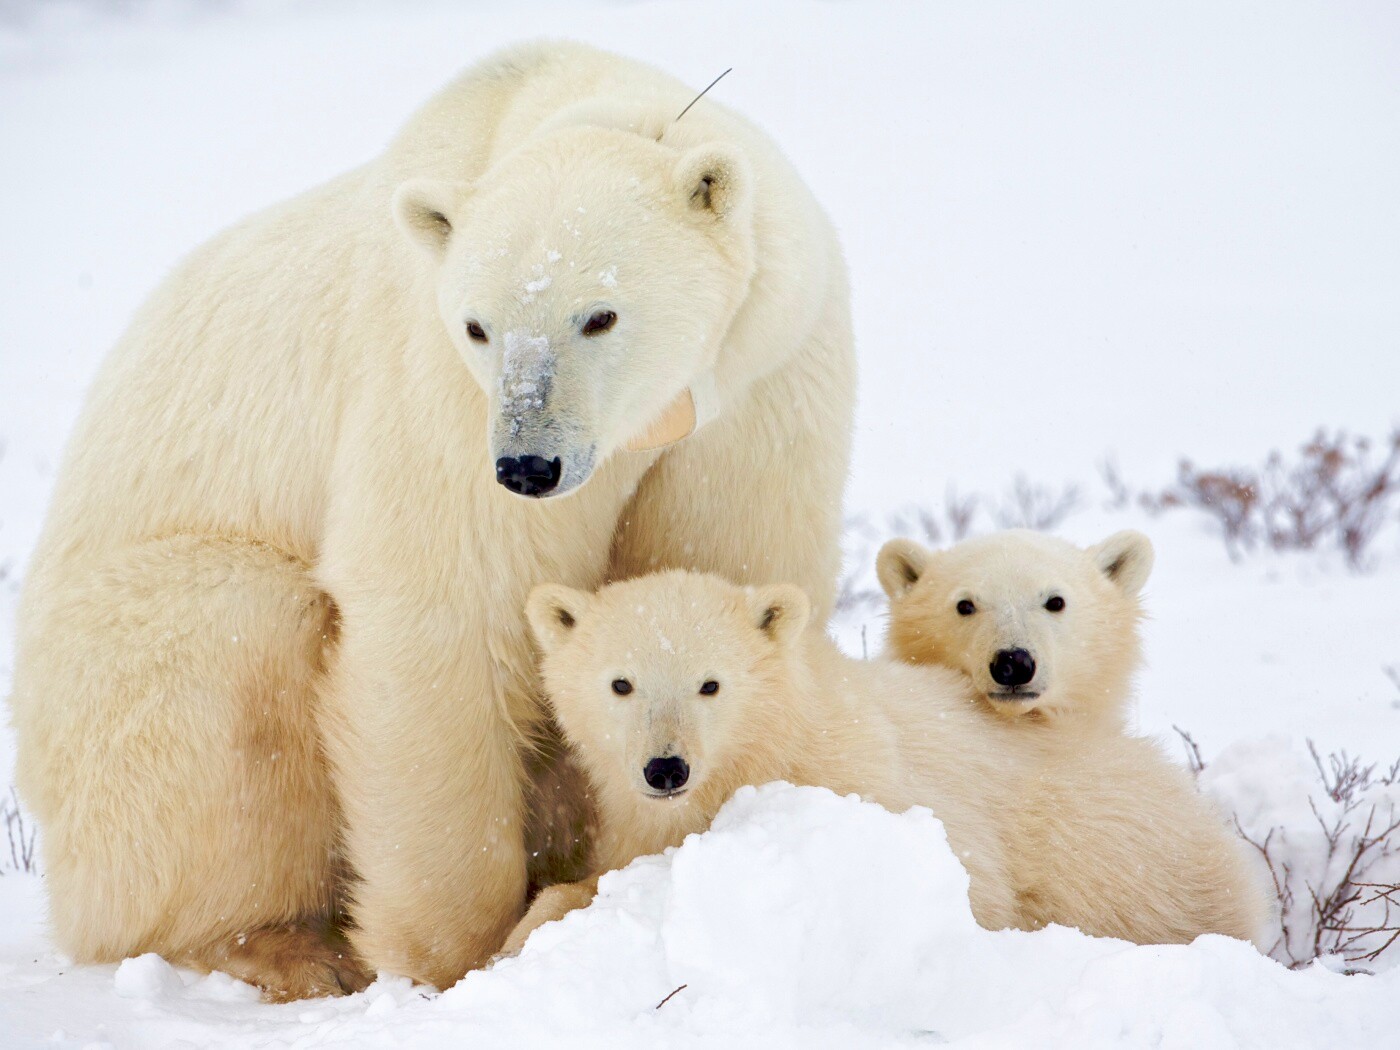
point(278, 533)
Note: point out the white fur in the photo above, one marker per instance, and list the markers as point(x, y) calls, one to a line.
point(1100, 832)
point(275, 613)
point(1085, 654)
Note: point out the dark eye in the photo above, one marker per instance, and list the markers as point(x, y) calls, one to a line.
point(621, 686)
point(599, 322)
point(966, 608)
point(475, 332)
point(1055, 604)
point(710, 688)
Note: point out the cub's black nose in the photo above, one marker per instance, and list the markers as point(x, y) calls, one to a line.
point(528, 475)
point(1012, 667)
point(666, 774)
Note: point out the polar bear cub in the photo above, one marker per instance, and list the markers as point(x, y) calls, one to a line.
point(674, 690)
point(1046, 631)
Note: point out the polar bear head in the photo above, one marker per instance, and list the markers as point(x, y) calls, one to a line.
point(661, 683)
point(1042, 627)
point(586, 279)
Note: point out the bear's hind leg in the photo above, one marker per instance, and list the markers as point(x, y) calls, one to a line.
point(294, 961)
point(165, 709)
point(1120, 844)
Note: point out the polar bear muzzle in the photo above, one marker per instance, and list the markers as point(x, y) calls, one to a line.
point(666, 775)
point(1013, 670)
point(529, 475)
point(541, 468)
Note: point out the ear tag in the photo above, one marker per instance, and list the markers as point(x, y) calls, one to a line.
point(692, 409)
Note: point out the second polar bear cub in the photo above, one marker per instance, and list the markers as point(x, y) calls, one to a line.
point(674, 690)
point(1047, 631)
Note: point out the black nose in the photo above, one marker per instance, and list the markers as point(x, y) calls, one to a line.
point(1013, 667)
point(528, 475)
point(666, 774)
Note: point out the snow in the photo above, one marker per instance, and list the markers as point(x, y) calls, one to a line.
point(527, 366)
point(800, 919)
point(540, 282)
point(1075, 231)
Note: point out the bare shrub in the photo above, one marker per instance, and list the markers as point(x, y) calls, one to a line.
point(855, 590)
point(1338, 880)
point(1034, 506)
point(1194, 762)
point(22, 835)
point(950, 522)
point(1119, 493)
point(959, 511)
point(1344, 778)
point(1339, 492)
point(1230, 496)
point(854, 594)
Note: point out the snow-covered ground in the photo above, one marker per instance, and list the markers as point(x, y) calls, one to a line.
point(1075, 230)
point(801, 919)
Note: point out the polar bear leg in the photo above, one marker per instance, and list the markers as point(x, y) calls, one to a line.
point(300, 960)
point(1120, 844)
point(429, 771)
point(550, 905)
point(165, 712)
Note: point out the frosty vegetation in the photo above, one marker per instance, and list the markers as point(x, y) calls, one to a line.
point(1335, 863)
point(1338, 493)
point(20, 835)
point(1341, 492)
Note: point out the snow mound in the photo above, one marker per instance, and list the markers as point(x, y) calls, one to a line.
point(827, 921)
point(800, 919)
point(150, 978)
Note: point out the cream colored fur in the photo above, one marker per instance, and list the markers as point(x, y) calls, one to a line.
point(1104, 835)
point(274, 618)
point(1085, 654)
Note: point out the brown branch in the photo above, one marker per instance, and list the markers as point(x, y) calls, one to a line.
point(668, 998)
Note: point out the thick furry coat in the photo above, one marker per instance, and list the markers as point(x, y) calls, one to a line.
point(1107, 836)
point(271, 657)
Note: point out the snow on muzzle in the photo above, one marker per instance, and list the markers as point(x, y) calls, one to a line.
point(537, 436)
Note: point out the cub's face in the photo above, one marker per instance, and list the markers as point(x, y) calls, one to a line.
point(586, 282)
point(1037, 623)
point(656, 681)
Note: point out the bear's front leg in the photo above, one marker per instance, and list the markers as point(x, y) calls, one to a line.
point(551, 904)
point(426, 763)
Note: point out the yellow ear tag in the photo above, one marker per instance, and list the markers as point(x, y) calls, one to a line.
point(692, 409)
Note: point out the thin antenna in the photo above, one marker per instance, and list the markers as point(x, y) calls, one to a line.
point(698, 97)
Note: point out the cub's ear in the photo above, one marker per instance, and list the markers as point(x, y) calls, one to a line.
point(1125, 558)
point(554, 611)
point(714, 180)
point(423, 211)
point(780, 611)
point(899, 565)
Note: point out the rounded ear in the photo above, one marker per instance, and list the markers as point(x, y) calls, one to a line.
point(780, 611)
point(554, 611)
point(1125, 558)
point(423, 211)
point(899, 566)
point(714, 180)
